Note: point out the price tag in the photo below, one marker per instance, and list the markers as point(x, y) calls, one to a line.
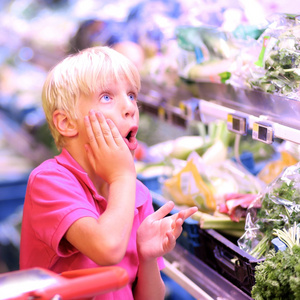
point(263, 133)
point(162, 114)
point(190, 109)
point(237, 124)
point(183, 108)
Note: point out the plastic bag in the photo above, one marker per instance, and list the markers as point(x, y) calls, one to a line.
point(274, 168)
point(276, 69)
point(205, 52)
point(197, 183)
point(190, 186)
point(277, 208)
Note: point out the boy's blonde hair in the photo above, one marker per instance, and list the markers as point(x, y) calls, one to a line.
point(82, 73)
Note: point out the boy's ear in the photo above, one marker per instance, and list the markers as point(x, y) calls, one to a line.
point(63, 123)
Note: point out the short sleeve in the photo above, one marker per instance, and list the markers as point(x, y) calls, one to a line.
point(57, 199)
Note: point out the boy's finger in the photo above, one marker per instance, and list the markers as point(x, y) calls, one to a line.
point(177, 227)
point(186, 213)
point(101, 129)
point(190, 211)
point(90, 132)
point(115, 133)
point(163, 211)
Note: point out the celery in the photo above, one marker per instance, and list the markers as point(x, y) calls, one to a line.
point(220, 222)
point(237, 233)
point(261, 248)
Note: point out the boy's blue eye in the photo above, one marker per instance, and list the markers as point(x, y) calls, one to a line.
point(105, 98)
point(131, 97)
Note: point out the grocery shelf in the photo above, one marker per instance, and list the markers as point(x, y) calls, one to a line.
point(268, 117)
point(210, 109)
point(208, 101)
point(277, 109)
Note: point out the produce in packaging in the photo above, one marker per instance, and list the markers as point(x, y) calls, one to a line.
point(278, 276)
point(207, 186)
point(205, 52)
point(280, 206)
point(275, 69)
point(236, 204)
point(274, 168)
point(188, 187)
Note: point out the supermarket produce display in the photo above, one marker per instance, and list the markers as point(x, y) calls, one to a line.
point(220, 127)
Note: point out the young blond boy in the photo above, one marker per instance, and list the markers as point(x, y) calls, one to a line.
point(85, 208)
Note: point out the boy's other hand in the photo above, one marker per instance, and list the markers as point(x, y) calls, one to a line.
point(157, 234)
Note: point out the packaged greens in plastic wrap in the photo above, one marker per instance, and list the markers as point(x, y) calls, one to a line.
point(277, 68)
point(205, 53)
point(277, 208)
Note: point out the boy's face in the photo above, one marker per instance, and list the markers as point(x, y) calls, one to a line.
point(117, 102)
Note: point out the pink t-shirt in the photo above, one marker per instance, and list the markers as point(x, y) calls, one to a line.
point(59, 192)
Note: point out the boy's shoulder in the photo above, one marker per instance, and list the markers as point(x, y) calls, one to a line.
point(48, 164)
point(50, 167)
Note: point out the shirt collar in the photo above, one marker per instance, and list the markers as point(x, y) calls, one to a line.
point(65, 159)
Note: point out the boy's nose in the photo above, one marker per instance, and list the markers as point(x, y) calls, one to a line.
point(129, 108)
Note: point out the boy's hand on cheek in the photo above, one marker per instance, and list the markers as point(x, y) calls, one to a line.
point(107, 151)
point(157, 234)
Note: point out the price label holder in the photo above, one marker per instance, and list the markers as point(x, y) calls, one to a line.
point(162, 113)
point(190, 109)
point(237, 124)
point(263, 132)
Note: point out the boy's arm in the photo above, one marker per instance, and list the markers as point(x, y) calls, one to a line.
point(105, 240)
point(157, 236)
point(149, 282)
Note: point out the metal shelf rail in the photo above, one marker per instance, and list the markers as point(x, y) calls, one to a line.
point(199, 279)
point(264, 113)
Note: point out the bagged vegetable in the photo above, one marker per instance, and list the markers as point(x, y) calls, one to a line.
point(274, 168)
point(277, 208)
point(277, 68)
point(190, 186)
point(205, 52)
point(278, 276)
point(209, 185)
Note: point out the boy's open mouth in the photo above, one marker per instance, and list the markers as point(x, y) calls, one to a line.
point(130, 138)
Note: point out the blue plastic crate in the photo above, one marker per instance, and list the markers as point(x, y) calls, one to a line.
point(153, 183)
point(12, 194)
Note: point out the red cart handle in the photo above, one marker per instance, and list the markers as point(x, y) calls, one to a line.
point(85, 283)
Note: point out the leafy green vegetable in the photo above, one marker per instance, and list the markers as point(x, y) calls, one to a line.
point(274, 212)
point(280, 208)
point(278, 276)
point(279, 61)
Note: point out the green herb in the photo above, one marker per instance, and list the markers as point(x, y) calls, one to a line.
point(280, 209)
point(278, 276)
point(280, 65)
